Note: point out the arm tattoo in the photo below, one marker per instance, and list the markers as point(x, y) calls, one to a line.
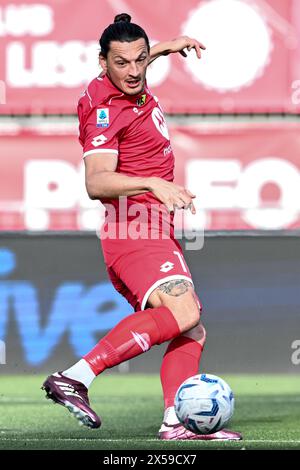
point(175, 288)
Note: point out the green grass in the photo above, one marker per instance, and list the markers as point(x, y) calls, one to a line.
point(267, 413)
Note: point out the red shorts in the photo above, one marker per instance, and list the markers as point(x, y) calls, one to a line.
point(137, 267)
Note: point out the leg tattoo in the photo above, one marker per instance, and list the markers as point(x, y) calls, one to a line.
point(176, 287)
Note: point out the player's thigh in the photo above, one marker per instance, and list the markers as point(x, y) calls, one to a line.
point(155, 273)
point(144, 265)
point(179, 296)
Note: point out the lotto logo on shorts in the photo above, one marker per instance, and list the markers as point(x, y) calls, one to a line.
point(102, 117)
point(167, 266)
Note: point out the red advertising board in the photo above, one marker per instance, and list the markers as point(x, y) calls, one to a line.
point(49, 49)
point(245, 176)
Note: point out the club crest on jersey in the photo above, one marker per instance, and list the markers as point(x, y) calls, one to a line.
point(142, 100)
point(102, 117)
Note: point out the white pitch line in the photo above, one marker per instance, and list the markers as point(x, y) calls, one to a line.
point(270, 440)
point(74, 439)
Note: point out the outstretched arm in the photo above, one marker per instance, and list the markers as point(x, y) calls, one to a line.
point(176, 45)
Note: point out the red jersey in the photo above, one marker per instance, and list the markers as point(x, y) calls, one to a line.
point(132, 127)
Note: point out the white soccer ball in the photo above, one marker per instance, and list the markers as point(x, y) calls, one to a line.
point(204, 403)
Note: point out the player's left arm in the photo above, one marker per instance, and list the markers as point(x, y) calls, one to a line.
point(176, 45)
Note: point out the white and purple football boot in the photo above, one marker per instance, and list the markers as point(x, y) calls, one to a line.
point(73, 395)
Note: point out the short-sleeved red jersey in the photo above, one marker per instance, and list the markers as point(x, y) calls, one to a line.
point(133, 127)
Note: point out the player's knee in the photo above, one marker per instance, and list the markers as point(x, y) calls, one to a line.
point(191, 317)
point(186, 313)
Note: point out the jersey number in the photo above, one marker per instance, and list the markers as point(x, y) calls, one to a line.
point(181, 259)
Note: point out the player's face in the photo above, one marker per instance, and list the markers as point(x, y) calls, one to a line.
point(126, 65)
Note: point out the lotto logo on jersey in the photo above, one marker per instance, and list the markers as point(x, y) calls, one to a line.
point(102, 117)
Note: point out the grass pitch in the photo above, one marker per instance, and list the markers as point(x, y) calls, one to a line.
point(267, 412)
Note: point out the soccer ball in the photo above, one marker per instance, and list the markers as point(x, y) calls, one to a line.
point(204, 403)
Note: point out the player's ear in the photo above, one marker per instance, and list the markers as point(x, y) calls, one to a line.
point(103, 63)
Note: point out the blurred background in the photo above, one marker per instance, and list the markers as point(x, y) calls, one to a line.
point(234, 123)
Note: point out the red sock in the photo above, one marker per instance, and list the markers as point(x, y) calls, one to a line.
point(132, 336)
point(180, 362)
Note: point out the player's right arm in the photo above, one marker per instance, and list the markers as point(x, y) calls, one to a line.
point(102, 181)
